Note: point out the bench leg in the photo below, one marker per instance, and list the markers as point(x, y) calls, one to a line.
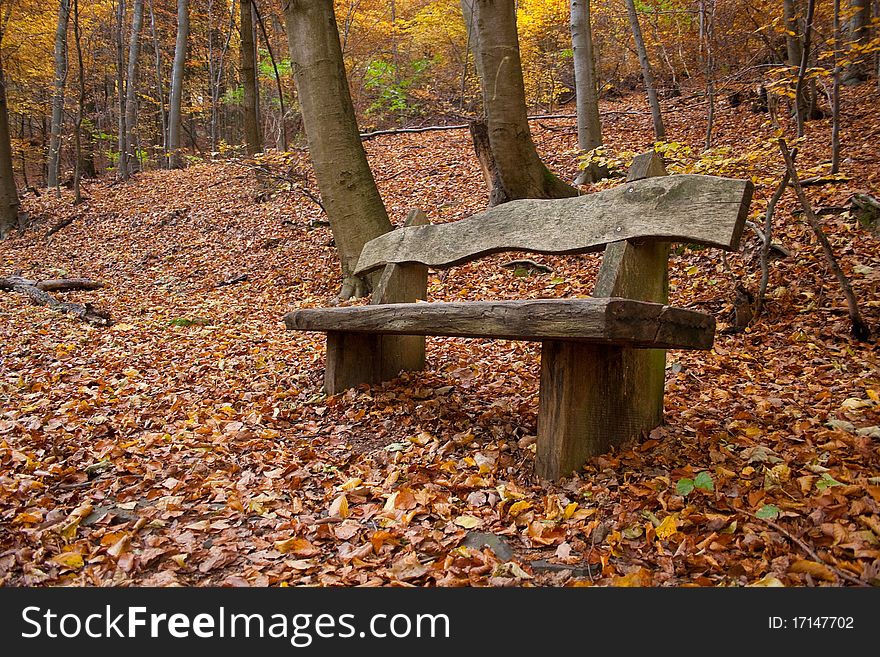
point(352, 359)
point(356, 358)
point(593, 397)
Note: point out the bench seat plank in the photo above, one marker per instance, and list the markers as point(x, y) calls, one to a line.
point(689, 208)
point(615, 321)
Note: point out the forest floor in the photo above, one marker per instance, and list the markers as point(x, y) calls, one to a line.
point(189, 442)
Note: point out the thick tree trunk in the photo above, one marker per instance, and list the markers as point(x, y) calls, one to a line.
point(131, 86)
point(58, 96)
point(252, 137)
point(859, 33)
point(8, 192)
point(589, 126)
point(522, 173)
point(177, 71)
point(647, 75)
point(348, 190)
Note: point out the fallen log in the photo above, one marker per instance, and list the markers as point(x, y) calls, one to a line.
point(38, 293)
point(52, 285)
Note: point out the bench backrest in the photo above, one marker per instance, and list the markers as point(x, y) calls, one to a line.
point(696, 209)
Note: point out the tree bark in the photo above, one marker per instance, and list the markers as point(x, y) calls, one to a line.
point(160, 84)
point(8, 192)
point(859, 33)
point(522, 173)
point(58, 96)
point(80, 105)
point(177, 70)
point(647, 75)
point(131, 87)
point(348, 189)
point(589, 126)
point(252, 133)
point(122, 162)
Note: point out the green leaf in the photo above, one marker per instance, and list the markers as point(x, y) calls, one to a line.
point(703, 481)
point(768, 512)
point(827, 481)
point(180, 321)
point(557, 281)
point(684, 486)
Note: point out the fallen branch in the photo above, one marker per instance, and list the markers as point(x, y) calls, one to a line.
point(61, 224)
point(813, 554)
point(860, 329)
point(51, 285)
point(39, 297)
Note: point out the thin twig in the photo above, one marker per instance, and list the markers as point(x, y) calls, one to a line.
point(812, 553)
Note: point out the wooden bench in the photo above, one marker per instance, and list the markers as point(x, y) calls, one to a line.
point(602, 358)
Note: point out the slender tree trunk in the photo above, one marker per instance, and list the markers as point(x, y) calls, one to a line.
point(800, 91)
point(160, 84)
point(58, 97)
point(122, 162)
point(522, 173)
point(177, 70)
point(282, 129)
point(131, 86)
point(473, 47)
point(647, 75)
point(80, 104)
point(348, 189)
point(252, 132)
point(589, 126)
point(8, 192)
point(710, 72)
point(835, 93)
point(859, 33)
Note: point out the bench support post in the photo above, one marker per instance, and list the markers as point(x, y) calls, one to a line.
point(589, 401)
point(355, 358)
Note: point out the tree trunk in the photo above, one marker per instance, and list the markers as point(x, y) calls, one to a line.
point(522, 173)
point(835, 92)
point(589, 126)
point(650, 89)
point(131, 86)
point(795, 37)
point(122, 162)
point(160, 84)
point(252, 137)
point(473, 44)
point(348, 190)
point(58, 97)
point(8, 192)
point(859, 33)
point(177, 70)
point(80, 105)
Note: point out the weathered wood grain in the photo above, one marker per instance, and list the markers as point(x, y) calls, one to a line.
point(608, 321)
point(594, 397)
point(402, 283)
point(686, 208)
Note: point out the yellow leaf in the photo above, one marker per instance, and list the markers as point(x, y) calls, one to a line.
point(666, 528)
point(768, 581)
point(569, 510)
point(468, 522)
point(71, 560)
point(339, 508)
point(122, 327)
point(351, 484)
point(298, 546)
point(518, 507)
point(640, 577)
point(815, 569)
point(27, 518)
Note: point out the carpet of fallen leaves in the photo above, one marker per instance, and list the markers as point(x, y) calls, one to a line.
point(189, 443)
